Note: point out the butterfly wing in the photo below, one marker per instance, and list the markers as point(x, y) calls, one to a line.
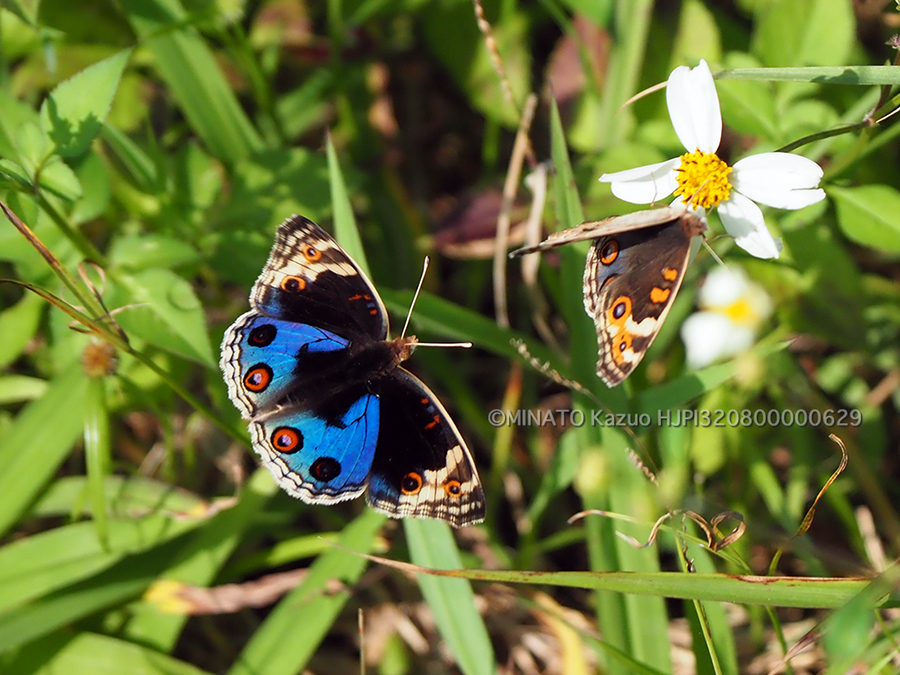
point(422, 466)
point(613, 225)
point(630, 282)
point(310, 279)
point(285, 362)
point(316, 460)
point(265, 360)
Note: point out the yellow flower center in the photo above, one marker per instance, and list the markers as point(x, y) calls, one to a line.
point(703, 179)
point(742, 313)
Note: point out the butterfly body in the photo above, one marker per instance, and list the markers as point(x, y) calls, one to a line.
point(332, 413)
point(632, 274)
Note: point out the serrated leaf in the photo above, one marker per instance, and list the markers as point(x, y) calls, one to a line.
point(73, 113)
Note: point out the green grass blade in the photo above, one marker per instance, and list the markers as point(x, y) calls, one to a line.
point(31, 450)
point(201, 560)
point(345, 230)
point(189, 67)
point(451, 601)
point(97, 655)
point(38, 565)
point(818, 592)
point(291, 633)
point(97, 453)
point(123, 582)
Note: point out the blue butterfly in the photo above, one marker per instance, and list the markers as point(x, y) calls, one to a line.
point(332, 413)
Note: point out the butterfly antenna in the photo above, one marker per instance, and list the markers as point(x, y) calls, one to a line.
point(712, 253)
point(416, 295)
point(409, 315)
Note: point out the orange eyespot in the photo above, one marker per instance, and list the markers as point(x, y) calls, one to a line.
point(621, 344)
point(287, 439)
point(609, 252)
point(620, 310)
point(453, 487)
point(311, 253)
point(293, 284)
point(258, 378)
point(411, 483)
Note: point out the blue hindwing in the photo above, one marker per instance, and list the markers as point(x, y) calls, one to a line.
point(317, 461)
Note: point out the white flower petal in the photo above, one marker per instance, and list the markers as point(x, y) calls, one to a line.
point(722, 287)
point(744, 221)
point(694, 108)
point(645, 184)
point(778, 179)
point(709, 336)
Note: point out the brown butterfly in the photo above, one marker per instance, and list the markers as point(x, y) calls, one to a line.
point(631, 277)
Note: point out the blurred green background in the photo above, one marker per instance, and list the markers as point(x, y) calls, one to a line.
point(156, 144)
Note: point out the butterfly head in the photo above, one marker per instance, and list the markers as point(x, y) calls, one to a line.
point(402, 347)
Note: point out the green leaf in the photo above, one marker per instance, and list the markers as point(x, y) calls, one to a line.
point(188, 66)
point(200, 560)
point(869, 215)
point(18, 325)
point(97, 655)
point(128, 498)
point(14, 173)
point(32, 449)
point(94, 180)
point(822, 592)
point(598, 11)
point(163, 309)
point(136, 161)
point(143, 251)
point(123, 582)
point(826, 39)
point(451, 601)
point(19, 388)
point(97, 454)
point(57, 178)
point(73, 113)
point(453, 36)
point(27, 10)
point(345, 230)
point(292, 631)
point(13, 115)
point(37, 566)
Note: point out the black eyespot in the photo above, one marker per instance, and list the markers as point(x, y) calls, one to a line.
point(609, 252)
point(622, 346)
point(262, 336)
point(325, 469)
point(619, 309)
point(293, 284)
point(411, 483)
point(287, 439)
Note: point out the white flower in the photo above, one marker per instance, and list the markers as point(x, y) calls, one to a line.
point(732, 308)
point(777, 179)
